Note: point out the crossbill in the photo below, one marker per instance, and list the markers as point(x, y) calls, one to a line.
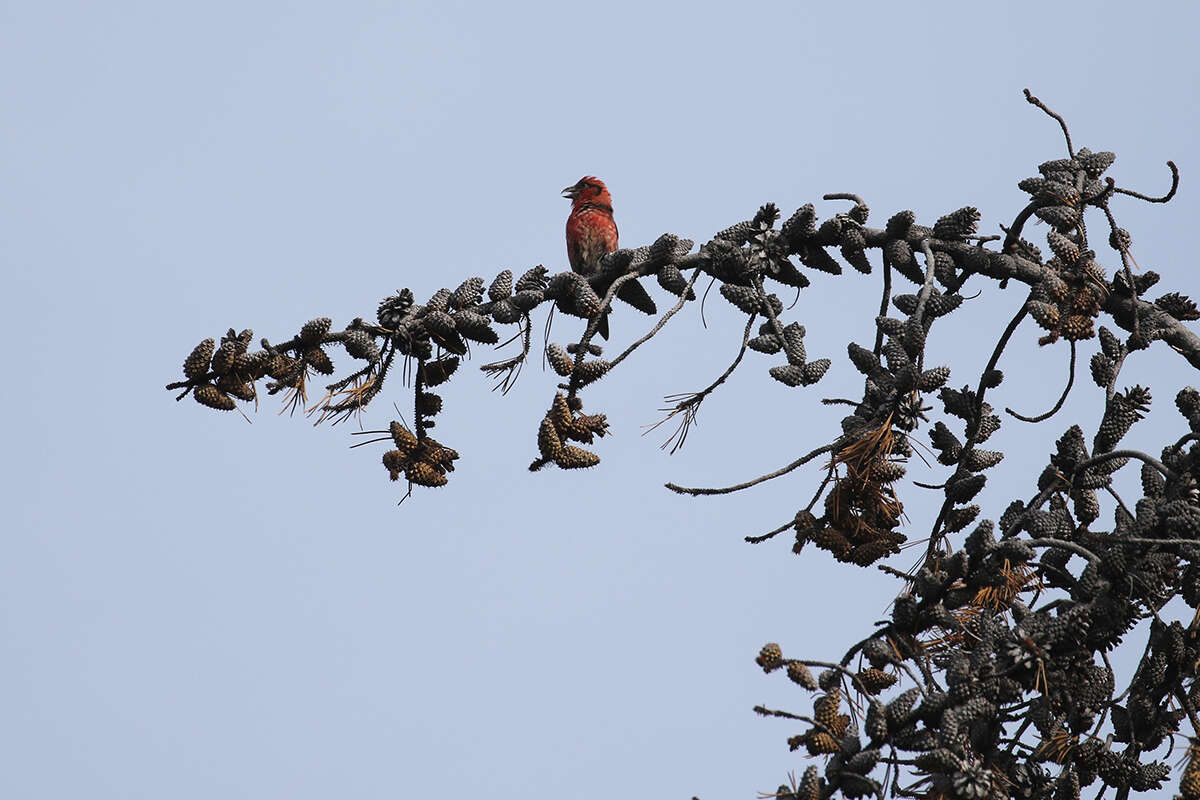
point(592, 233)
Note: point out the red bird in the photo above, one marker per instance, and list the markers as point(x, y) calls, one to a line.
point(591, 233)
point(591, 230)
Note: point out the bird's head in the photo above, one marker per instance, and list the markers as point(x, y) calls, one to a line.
point(588, 189)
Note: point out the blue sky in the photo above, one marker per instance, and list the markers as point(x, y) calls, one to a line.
point(194, 606)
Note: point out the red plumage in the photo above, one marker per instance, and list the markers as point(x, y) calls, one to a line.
point(592, 233)
point(591, 229)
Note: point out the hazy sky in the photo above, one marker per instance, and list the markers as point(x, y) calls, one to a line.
point(194, 607)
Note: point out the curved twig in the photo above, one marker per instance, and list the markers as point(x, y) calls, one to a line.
point(1065, 545)
point(1180, 442)
point(1061, 122)
point(858, 201)
point(1062, 399)
point(1012, 234)
point(703, 298)
point(804, 459)
point(1111, 454)
point(1165, 198)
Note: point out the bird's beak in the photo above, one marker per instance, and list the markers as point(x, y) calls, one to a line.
point(571, 192)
